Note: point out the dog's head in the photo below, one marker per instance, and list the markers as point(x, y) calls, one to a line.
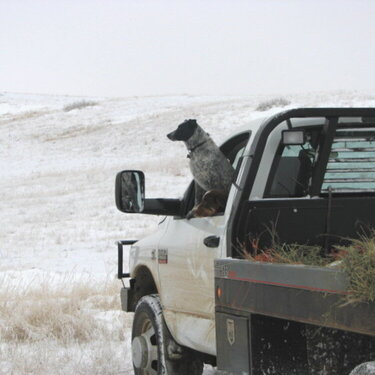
point(184, 131)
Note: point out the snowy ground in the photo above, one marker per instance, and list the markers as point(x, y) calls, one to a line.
point(59, 309)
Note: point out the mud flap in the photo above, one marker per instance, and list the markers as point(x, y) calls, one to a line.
point(256, 345)
point(232, 334)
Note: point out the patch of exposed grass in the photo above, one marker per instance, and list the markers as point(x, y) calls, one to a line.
point(72, 327)
point(79, 105)
point(64, 314)
point(271, 103)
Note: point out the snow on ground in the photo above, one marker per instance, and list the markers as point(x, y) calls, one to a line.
point(59, 222)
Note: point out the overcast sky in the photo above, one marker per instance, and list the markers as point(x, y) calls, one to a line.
point(159, 47)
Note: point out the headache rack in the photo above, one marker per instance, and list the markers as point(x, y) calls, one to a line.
point(351, 163)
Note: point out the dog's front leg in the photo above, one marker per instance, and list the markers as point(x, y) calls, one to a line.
point(199, 192)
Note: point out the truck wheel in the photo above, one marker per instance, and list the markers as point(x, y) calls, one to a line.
point(154, 351)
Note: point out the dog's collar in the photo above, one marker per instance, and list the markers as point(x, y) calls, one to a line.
point(192, 149)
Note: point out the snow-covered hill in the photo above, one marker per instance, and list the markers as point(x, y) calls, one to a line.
point(58, 161)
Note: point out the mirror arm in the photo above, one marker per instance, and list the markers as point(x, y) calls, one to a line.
point(167, 207)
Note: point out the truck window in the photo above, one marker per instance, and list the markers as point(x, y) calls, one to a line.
point(350, 167)
point(291, 172)
point(234, 148)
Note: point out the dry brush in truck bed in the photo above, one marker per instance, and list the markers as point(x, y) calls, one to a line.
point(356, 260)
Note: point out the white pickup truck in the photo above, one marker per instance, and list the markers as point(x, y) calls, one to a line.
point(290, 171)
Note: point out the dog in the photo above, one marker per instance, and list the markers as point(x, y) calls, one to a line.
point(210, 168)
point(213, 202)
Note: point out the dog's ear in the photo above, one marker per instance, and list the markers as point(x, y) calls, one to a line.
point(190, 122)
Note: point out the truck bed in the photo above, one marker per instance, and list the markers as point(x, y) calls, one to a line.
point(288, 319)
point(300, 293)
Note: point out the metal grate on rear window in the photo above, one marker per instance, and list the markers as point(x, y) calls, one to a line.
point(351, 165)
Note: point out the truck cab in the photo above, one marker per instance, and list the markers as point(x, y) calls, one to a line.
point(297, 172)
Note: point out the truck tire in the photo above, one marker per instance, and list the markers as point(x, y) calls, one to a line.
point(154, 350)
point(367, 368)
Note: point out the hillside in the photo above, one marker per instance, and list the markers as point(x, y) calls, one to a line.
point(58, 159)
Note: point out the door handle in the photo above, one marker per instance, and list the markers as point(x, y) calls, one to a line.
point(212, 241)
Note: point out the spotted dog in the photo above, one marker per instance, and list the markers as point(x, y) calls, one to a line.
point(210, 168)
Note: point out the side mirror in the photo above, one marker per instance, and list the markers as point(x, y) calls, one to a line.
point(130, 197)
point(130, 191)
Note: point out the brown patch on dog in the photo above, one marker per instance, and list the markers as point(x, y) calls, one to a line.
point(213, 202)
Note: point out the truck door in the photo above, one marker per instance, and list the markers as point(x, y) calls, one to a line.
point(186, 256)
point(186, 264)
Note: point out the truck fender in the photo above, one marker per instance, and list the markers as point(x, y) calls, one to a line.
point(142, 283)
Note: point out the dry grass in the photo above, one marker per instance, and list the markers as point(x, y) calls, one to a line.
point(26, 115)
point(356, 260)
point(271, 103)
point(79, 105)
point(288, 254)
point(65, 329)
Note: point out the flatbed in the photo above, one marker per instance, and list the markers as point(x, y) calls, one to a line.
point(283, 308)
